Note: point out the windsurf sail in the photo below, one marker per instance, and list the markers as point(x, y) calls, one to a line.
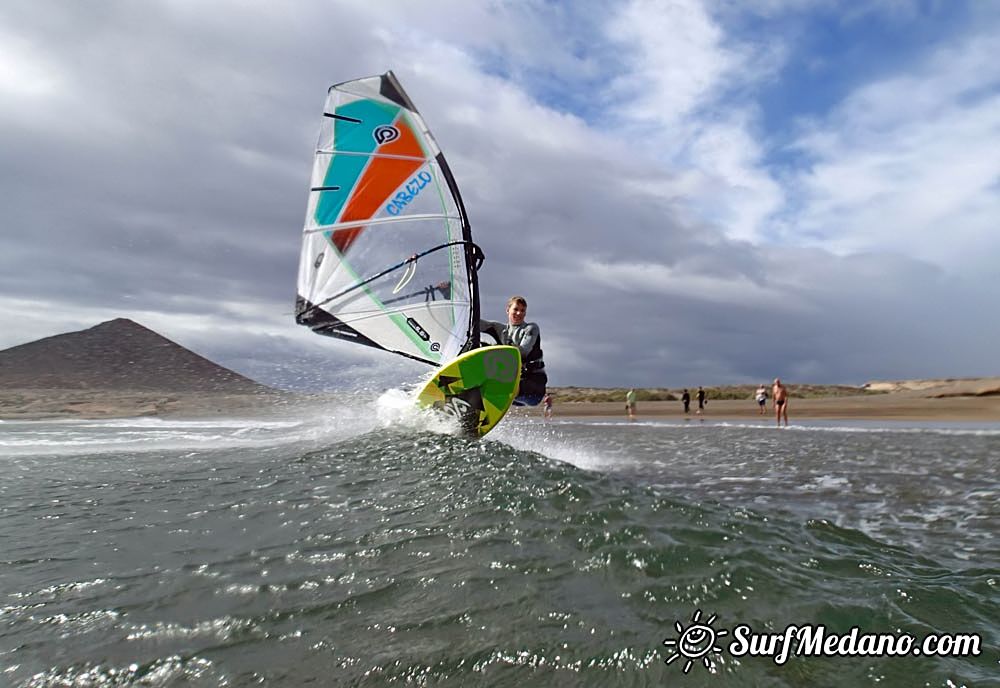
point(387, 254)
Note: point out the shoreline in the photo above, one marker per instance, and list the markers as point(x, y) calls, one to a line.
point(27, 405)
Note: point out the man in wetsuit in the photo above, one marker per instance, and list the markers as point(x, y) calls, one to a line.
point(526, 337)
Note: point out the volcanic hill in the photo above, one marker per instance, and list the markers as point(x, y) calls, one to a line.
point(117, 355)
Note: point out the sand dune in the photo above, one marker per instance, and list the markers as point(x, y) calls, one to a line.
point(940, 387)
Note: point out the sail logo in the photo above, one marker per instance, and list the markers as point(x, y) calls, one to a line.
point(422, 333)
point(409, 192)
point(385, 134)
point(416, 327)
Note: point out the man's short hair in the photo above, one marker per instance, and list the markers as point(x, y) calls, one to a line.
point(517, 299)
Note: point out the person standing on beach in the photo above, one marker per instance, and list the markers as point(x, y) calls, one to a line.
point(780, 394)
point(686, 398)
point(630, 403)
point(761, 396)
point(547, 406)
point(702, 400)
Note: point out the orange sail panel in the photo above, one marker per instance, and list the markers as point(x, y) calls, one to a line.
point(382, 176)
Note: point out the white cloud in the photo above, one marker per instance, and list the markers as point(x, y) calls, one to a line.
point(25, 72)
point(910, 164)
point(681, 91)
point(677, 62)
point(654, 280)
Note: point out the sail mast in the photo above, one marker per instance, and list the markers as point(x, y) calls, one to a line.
point(474, 255)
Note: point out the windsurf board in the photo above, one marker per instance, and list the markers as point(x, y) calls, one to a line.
point(477, 387)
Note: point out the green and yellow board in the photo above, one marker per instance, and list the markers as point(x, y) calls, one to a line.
point(478, 387)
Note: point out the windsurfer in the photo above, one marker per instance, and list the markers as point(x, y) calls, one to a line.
point(527, 338)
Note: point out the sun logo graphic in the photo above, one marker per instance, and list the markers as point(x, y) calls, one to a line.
point(695, 642)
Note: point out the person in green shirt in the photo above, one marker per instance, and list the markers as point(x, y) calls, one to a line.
point(630, 404)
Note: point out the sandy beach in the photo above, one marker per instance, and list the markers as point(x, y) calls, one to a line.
point(874, 407)
point(948, 400)
point(920, 400)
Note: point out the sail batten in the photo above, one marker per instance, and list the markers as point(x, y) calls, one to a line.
point(368, 155)
point(387, 255)
point(381, 221)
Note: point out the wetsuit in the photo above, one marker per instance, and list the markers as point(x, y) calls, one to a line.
point(529, 341)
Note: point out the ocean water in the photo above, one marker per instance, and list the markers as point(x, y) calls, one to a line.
point(363, 545)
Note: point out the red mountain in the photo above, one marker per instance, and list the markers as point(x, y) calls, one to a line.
point(116, 355)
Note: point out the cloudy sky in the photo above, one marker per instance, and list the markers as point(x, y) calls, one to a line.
point(687, 192)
